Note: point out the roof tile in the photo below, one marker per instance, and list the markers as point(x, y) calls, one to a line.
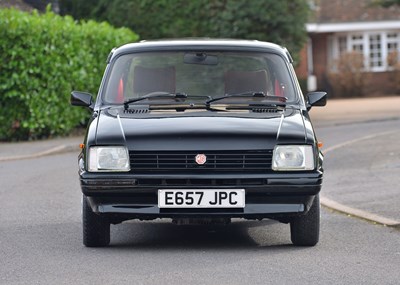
point(338, 11)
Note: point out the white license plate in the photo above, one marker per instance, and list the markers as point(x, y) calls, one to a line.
point(204, 198)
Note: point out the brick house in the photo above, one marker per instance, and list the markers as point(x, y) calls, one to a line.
point(340, 27)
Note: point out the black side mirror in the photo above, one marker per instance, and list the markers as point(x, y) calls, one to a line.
point(316, 99)
point(84, 99)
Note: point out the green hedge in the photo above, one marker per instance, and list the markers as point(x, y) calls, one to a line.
point(43, 57)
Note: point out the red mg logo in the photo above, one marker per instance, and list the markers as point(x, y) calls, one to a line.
point(200, 158)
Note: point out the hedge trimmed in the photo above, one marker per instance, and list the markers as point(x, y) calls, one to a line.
point(43, 57)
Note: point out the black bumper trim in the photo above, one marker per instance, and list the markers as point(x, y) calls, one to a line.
point(252, 209)
point(122, 187)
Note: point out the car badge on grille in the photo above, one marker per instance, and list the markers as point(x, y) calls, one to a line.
point(200, 159)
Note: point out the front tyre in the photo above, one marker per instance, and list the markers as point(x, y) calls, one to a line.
point(304, 230)
point(96, 229)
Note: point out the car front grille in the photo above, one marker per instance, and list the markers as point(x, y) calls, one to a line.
point(175, 162)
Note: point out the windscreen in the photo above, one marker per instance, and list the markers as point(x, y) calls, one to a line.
point(211, 74)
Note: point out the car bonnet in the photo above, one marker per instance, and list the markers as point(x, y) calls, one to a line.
point(202, 132)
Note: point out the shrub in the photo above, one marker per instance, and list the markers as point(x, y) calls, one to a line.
point(348, 78)
point(42, 58)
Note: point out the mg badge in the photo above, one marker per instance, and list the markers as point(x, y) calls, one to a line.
point(201, 159)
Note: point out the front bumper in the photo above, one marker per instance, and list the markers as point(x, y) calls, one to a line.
point(126, 196)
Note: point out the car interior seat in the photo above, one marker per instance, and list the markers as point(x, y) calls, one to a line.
point(147, 80)
point(245, 81)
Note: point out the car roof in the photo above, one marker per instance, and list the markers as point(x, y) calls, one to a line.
point(201, 44)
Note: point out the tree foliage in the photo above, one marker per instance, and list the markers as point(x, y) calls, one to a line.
point(386, 3)
point(282, 22)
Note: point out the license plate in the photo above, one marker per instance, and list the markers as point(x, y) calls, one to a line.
point(204, 198)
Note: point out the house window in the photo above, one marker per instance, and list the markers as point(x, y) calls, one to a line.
point(357, 43)
point(375, 51)
point(393, 50)
point(381, 50)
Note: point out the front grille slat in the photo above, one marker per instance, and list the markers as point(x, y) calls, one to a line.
point(239, 161)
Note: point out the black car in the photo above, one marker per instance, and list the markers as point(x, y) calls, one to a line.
point(200, 131)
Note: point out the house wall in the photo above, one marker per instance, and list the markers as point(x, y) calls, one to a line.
point(301, 66)
point(320, 60)
point(302, 69)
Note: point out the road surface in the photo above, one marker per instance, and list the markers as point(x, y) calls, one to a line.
point(40, 230)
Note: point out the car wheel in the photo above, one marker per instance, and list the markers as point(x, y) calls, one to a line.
point(96, 229)
point(304, 230)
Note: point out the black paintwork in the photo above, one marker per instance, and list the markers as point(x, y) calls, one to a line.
point(202, 132)
point(126, 195)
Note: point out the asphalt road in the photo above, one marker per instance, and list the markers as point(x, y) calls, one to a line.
point(362, 166)
point(40, 231)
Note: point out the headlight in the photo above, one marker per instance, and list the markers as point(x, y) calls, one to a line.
point(293, 157)
point(108, 158)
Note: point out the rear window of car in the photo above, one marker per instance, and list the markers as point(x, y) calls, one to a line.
point(211, 74)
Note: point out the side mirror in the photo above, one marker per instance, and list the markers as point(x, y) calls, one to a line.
point(316, 99)
point(81, 99)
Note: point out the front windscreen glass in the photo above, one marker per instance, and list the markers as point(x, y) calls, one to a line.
point(202, 74)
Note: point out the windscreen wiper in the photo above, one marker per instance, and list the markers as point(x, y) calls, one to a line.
point(264, 97)
point(159, 95)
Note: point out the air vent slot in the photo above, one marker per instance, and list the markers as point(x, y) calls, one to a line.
point(265, 110)
point(136, 111)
